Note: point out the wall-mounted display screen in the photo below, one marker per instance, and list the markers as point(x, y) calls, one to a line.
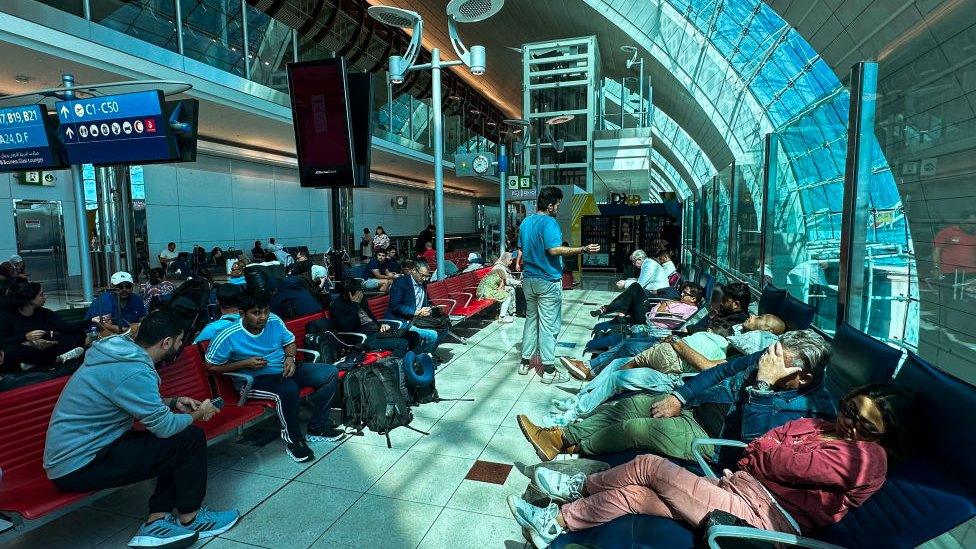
point(26, 140)
point(116, 129)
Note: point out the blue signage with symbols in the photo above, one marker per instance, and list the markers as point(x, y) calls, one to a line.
point(24, 142)
point(116, 129)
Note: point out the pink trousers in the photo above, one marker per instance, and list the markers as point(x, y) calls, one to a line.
point(653, 485)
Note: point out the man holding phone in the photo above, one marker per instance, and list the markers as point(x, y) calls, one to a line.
point(261, 347)
point(91, 444)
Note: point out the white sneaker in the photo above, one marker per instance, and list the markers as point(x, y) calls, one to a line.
point(524, 368)
point(558, 419)
point(564, 404)
point(71, 355)
point(556, 376)
point(505, 320)
point(538, 524)
point(562, 488)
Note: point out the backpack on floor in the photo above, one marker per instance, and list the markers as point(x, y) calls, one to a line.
point(376, 398)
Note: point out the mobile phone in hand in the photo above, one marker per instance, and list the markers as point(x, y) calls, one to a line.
point(218, 403)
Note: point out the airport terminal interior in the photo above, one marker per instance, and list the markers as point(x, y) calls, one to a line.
point(487, 273)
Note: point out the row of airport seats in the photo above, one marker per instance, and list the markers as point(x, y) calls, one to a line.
point(459, 258)
point(928, 492)
point(25, 490)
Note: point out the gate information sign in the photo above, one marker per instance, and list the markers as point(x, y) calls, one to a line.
point(116, 129)
point(24, 142)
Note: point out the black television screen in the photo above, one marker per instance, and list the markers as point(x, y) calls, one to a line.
point(320, 115)
point(361, 116)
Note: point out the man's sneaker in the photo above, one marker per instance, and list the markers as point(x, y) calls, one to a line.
point(505, 320)
point(524, 367)
point(577, 368)
point(558, 419)
point(299, 451)
point(560, 487)
point(555, 376)
point(318, 434)
point(71, 355)
point(164, 534)
point(211, 523)
point(563, 404)
point(596, 312)
point(538, 524)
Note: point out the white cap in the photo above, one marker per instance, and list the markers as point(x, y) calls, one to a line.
point(120, 277)
point(318, 272)
point(472, 257)
point(16, 259)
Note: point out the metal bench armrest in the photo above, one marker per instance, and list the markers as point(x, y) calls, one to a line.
point(466, 303)
point(248, 384)
point(452, 303)
point(314, 354)
point(396, 323)
point(744, 532)
point(697, 444)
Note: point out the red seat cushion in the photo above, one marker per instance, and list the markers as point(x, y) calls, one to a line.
point(378, 305)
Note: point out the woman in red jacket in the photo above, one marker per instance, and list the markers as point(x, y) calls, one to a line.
point(814, 470)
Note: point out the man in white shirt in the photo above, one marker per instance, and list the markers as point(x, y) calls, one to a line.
point(168, 255)
point(652, 282)
point(653, 276)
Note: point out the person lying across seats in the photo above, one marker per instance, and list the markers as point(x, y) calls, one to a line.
point(115, 310)
point(733, 309)
point(91, 444)
point(35, 337)
point(229, 302)
point(651, 282)
point(409, 302)
point(797, 478)
point(739, 399)
point(659, 369)
point(378, 275)
point(350, 313)
point(262, 347)
point(665, 315)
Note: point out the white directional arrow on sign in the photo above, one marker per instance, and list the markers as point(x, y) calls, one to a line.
point(70, 133)
point(64, 111)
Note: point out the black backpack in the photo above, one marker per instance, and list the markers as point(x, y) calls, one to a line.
point(376, 398)
point(190, 301)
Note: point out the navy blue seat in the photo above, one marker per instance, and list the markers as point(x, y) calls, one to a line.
point(771, 300)
point(796, 314)
point(632, 532)
point(934, 489)
point(858, 359)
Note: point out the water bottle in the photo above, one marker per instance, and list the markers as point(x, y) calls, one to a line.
point(92, 335)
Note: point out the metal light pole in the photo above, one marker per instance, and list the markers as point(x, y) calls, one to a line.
point(464, 11)
point(501, 198)
point(81, 220)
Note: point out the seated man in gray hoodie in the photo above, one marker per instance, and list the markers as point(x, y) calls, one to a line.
point(91, 444)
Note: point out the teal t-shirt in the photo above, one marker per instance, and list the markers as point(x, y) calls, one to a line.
point(235, 343)
point(538, 233)
point(709, 345)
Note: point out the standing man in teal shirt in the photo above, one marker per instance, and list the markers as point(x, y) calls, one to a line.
point(542, 270)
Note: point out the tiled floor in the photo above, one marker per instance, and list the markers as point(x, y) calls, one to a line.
point(359, 493)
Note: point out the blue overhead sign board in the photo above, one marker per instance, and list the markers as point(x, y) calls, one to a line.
point(116, 129)
point(24, 140)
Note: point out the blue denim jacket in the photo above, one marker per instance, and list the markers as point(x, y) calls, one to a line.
point(752, 412)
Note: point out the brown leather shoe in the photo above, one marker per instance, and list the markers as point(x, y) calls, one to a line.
point(577, 368)
point(548, 443)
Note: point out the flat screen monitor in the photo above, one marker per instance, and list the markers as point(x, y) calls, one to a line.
point(28, 141)
point(361, 116)
point(323, 130)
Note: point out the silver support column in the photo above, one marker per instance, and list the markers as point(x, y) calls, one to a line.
point(81, 220)
point(247, 46)
point(435, 104)
point(857, 172)
point(770, 173)
point(503, 245)
point(179, 26)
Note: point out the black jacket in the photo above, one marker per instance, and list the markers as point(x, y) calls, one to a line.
point(345, 316)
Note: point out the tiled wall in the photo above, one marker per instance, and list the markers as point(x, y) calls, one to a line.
point(222, 202)
point(372, 207)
